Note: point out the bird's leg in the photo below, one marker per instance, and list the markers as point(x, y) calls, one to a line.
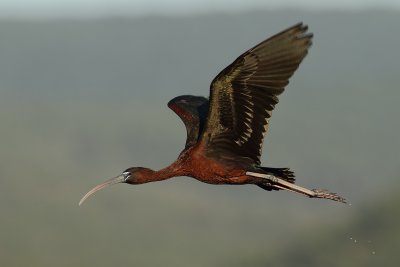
point(285, 185)
point(282, 184)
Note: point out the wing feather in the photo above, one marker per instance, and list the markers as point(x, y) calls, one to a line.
point(193, 112)
point(243, 95)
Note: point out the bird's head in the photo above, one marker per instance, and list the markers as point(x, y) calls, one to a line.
point(133, 175)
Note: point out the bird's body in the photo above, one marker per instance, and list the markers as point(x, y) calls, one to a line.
point(225, 133)
point(193, 162)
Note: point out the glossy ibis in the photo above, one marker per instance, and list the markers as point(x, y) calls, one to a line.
point(225, 132)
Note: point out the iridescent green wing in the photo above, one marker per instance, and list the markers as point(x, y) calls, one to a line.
point(243, 95)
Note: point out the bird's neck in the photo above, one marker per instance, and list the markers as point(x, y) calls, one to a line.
point(149, 175)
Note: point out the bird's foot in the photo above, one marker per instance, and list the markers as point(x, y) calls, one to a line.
point(322, 193)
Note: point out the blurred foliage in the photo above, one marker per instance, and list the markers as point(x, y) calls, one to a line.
point(80, 101)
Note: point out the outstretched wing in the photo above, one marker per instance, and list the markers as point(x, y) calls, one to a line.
point(193, 112)
point(243, 95)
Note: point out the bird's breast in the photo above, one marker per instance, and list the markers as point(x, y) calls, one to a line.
point(204, 169)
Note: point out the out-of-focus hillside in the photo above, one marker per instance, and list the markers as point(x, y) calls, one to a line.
point(369, 238)
point(80, 101)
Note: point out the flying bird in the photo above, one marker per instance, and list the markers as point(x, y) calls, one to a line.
point(225, 132)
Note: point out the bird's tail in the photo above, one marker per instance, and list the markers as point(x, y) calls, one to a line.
point(282, 173)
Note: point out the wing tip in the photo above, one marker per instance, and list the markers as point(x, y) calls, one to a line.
point(299, 30)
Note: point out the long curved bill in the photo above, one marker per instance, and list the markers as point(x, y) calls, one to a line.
point(112, 181)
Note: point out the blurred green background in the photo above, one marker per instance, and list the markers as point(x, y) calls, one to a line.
point(82, 99)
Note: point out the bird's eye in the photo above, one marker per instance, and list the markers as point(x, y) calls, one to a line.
point(126, 175)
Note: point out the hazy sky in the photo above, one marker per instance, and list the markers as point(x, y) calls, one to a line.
point(142, 7)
